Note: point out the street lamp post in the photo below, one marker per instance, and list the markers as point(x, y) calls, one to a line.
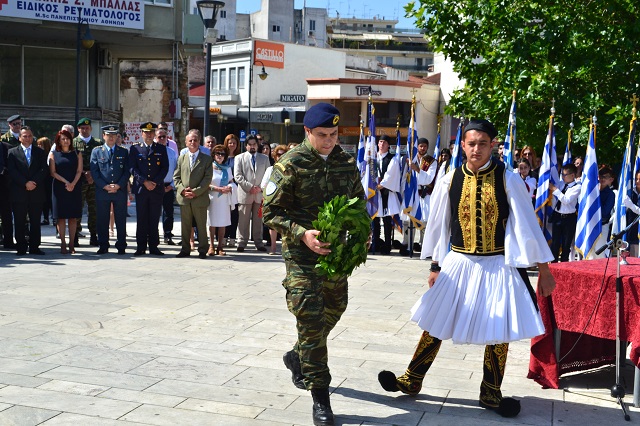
point(263, 75)
point(208, 10)
point(87, 42)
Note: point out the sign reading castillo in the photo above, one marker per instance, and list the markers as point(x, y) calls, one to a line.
point(293, 98)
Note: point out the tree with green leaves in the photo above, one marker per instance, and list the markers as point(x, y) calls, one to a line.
point(583, 54)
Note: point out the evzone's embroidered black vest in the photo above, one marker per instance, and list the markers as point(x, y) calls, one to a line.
point(479, 210)
point(382, 169)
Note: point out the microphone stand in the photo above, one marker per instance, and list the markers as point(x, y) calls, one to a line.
point(617, 390)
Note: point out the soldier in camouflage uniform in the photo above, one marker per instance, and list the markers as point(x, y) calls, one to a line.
point(84, 144)
point(301, 182)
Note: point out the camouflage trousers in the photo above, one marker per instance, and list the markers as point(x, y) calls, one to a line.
point(89, 197)
point(317, 305)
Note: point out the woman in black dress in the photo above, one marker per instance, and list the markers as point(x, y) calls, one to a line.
point(65, 165)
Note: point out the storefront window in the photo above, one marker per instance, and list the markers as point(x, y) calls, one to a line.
point(10, 81)
point(50, 76)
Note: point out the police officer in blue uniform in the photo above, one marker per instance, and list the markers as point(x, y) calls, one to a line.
point(149, 164)
point(109, 167)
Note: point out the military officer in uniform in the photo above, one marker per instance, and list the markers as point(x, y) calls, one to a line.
point(149, 164)
point(12, 137)
point(302, 180)
point(9, 140)
point(110, 171)
point(84, 143)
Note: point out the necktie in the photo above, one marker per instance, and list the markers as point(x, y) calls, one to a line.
point(27, 153)
point(111, 153)
point(253, 161)
point(559, 203)
point(192, 157)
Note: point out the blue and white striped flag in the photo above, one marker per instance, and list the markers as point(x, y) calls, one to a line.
point(397, 158)
point(510, 138)
point(548, 174)
point(412, 207)
point(436, 148)
point(567, 150)
point(626, 183)
point(362, 147)
point(589, 224)
point(456, 155)
point(370, 178)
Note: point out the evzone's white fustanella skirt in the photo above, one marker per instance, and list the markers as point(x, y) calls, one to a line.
point(478, 300)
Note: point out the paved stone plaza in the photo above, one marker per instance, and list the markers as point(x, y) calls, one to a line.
point(113, 340)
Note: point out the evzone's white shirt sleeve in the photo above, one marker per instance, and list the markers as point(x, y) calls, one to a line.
point(391, 178)
point(525, 244)
point(426, 176)
point(437, 234)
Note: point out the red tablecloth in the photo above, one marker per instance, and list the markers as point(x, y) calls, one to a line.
point(582, 300)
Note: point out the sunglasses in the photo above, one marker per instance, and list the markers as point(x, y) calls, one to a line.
point(219, 154)
point(161, 137)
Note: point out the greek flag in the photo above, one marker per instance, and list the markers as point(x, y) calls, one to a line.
point(567, 150)
point(397, 158)
point(548, 174)
point(589, 224)
point(411, 197)
point(456, 155)
point(362, 146)
point(370, 176)
point(626, 183)
point(436, 148)
point(510, 138)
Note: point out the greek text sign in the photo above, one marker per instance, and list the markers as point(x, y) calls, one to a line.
point(108, 13)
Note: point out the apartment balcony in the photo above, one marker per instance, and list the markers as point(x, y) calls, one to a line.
point(225, 95)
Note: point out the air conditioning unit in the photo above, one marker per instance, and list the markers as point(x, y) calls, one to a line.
point(311, 33)
point(104, 59)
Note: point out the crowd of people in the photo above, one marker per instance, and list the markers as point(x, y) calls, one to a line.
point(218, 187)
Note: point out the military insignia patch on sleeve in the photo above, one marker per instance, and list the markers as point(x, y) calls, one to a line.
point(271, 188)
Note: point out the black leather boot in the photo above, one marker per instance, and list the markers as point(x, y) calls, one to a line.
point(292, 362)
point(322, 414)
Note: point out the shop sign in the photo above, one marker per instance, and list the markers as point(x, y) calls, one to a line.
point(364, 91)
point(293, 98)
point(108, 13)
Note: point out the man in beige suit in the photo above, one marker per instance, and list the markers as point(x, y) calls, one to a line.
point(192, 178)
point(249, 169)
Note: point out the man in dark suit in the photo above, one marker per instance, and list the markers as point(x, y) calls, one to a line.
point(149, 164)
point(110, 170)
point(192, 179)
point(27, 166)
point(8, 141)
point(84, 143)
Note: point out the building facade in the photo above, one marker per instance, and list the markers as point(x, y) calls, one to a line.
point(42, 50)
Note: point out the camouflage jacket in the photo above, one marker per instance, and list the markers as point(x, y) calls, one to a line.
point(300, 184)
point(85, 150)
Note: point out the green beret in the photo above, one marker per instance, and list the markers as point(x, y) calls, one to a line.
point(84, 122)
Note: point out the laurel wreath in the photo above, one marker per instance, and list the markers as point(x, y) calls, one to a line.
point(344, 224)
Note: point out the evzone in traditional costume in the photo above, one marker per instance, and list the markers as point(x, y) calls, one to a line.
point(484, 233)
